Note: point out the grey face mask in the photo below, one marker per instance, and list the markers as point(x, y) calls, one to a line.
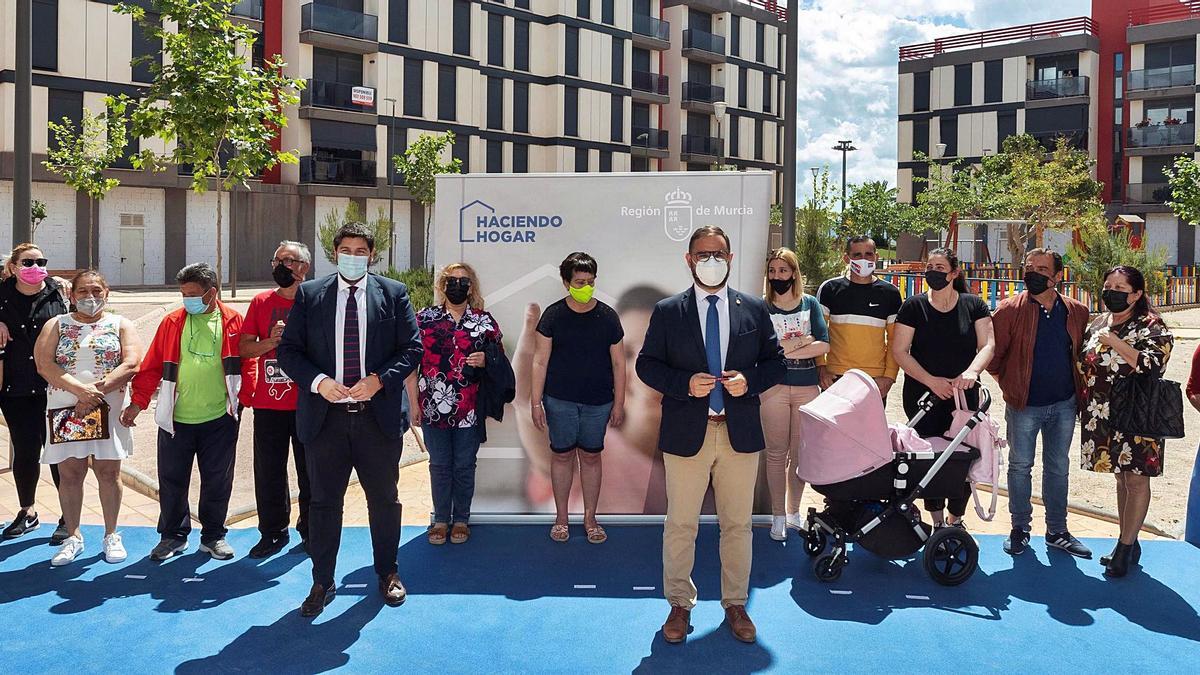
point(90, 306)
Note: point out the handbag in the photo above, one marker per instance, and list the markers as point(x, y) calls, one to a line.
point(985, 438)
point(66, 426)
point(1147, 405)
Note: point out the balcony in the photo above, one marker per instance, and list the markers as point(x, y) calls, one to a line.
point(700, 96)
point(703, 47)
point(649, 142)
point(651, 33)
point(650, 87)
point(1063, 87)
point(339, 29)
point(1150, 81)
point(248, 9)
point(1076, 138)
point(704, 149)
point(356, 172)
point(1147, 193)
point(1080, 25)
point(339, 102)
point(1163, 136)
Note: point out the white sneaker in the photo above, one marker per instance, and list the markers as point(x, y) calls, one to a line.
point(797, 522)
point(71, 548)
point(779, 528)
point(114, 550)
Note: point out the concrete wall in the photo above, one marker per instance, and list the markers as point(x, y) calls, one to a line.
point(56, 235)
point(149, 204)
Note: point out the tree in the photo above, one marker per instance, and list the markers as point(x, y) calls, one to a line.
point(215, 109)
point(818, 244)
point(81, 155)
point(37, 213)
point(421, 164)
point(1184, 182)
point(334, 220)
point(872, 209)
point(1103, 248)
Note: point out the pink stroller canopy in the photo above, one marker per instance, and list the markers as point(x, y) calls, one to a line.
point(844, 432)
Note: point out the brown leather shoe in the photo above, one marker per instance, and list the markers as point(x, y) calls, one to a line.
point(675, 630)
point(318, 597)
point(740, 623)
point(460, 533)
point(392, 590)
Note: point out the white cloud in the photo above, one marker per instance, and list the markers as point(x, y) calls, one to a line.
point(848, 70)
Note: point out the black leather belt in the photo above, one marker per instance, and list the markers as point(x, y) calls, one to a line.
point(719, 419)
point(351, 407)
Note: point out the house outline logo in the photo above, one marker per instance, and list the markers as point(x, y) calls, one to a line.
point(677, 215)
point(463, 220)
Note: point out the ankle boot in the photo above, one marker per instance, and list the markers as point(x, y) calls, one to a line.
point(1134, 557)
point(1118, 565)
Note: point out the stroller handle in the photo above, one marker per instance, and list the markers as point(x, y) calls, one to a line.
point(927, 400)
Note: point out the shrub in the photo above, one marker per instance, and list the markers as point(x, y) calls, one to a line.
point(420, 285)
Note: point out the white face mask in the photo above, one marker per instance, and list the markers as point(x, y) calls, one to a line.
point(862, 268)
point(90, 306)
point(712, 272)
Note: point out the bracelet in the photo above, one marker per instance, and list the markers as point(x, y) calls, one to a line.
point(537, 405)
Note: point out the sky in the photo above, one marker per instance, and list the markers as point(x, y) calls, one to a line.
point(847, 65)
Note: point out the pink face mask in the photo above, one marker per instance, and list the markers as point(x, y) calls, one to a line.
point(32, 275)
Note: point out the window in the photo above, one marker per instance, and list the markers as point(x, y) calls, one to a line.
point(520, 161)
point(618, 61)
point(731, 132)
point(920, 139)
point(1006, 125)
point(606, 158)
point(735, 35)
point(571, 111)
point(521, 4)
point(766, 92)
point(413, 90)
point(60, 104)
point(639, 164)
point(462, 151)
point(583, 9)
point(398, 21)
point(606, 12)
point(920, 181)
point(144, 45)
point(993, 81)
point(495, 103)
point(462, 27)
point(760, 42)
point(495, 44)
point(572, 50)
point(521, 45)
point(331, 66)
point(758, 139)
point(743, 87)
point(921, 91)
point(948, 126)
point(581, 160)
point(495, 157)
point(521, 107)
point(397, 143)
point(618, 118)
point(447, 93)
point(962, 84)
point(1167, 54)
point(45, 34)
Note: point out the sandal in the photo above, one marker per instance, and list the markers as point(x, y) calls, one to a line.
point(596, 534)
point(560, 533)
point(460, 533)
point(437, 534)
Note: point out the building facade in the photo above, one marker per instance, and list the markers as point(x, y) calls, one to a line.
point(1120, 83)
point(525, 85)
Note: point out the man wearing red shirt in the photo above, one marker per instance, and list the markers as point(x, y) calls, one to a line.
point(274, 403)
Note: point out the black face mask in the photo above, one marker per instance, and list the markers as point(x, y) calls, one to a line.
point(1036, 282)
point(1115, 301)
point(936, 280)
point(283, 276)
point(457, 290)
point(781, 286)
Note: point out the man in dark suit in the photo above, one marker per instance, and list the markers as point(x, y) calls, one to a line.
point(350, 341)
point(711, 351)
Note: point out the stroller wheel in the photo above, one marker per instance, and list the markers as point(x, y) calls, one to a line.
point(814, 541)
point(828, 567)
point(951, 556)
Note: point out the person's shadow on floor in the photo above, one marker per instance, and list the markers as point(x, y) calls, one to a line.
point(717, 650)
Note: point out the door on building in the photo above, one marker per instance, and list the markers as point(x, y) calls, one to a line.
point(133, 241)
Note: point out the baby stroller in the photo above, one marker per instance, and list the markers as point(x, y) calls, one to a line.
point(871, 474)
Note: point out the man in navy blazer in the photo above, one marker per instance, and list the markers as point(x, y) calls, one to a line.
point(350, 340)
point(710, 351)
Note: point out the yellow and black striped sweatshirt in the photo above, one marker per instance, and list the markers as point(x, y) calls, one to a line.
point(861, 318)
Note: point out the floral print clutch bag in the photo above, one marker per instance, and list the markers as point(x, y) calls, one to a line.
point(67, 427)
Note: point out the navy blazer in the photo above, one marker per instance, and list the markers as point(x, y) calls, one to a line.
point(674, 351)
point(393, 350)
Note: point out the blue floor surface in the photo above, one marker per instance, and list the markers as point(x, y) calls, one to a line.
point(510, 601)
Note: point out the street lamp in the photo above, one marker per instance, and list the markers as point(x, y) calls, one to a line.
point(719, 108)
point(844, 147)
point(939, 150)
point(815, 170)
point(391, 186)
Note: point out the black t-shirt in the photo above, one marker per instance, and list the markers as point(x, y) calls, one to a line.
point(945, 344)
point(580, 368)
point(25, 315)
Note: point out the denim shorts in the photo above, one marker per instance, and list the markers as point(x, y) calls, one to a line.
point(576, 425)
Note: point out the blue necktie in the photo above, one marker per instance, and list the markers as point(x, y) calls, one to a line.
point(351, 361)
point(712, 349)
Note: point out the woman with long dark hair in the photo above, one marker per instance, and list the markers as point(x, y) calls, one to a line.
point(1129, 339)
point(943, 341)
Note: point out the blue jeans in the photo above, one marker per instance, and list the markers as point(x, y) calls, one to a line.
point(1056, 423)
point(576, 425)
point(452, 454)
point(1192, 532)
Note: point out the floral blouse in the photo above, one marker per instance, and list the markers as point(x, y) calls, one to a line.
point(446, 397)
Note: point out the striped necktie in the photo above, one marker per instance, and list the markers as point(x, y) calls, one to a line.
point(351, 362)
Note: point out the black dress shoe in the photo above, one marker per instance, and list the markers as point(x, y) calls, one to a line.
point(1118, 565)
point(268, 546)
point(1134, 556)
point(317, 598)
point(393, 591)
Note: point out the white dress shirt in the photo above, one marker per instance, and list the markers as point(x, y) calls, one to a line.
point(722, 318)
point(339, 332)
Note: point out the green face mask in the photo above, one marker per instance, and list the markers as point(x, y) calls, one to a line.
point(582, 295)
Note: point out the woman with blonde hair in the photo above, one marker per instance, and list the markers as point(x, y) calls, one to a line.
point(455, 333)
point(804, 337)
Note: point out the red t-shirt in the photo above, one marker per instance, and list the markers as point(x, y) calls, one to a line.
point(1193, 383)
point(273, 389)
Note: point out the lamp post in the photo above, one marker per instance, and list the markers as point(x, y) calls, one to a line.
point(844, 147)
point(815, 170)
point(23, 125)
point(719, 108)
point(391, 186)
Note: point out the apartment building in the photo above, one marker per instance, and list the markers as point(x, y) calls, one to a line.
point(525, 85)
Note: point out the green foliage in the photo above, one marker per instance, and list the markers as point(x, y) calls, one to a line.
point(334, 220)
point(1102, 249)
point(420, 285)
point(872, 209)
point(421, 164)
point(818, 238)
point(1184, 180)
point(37, 213)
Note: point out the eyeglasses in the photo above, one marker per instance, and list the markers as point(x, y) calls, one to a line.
point(30, 262)
point(286, 262)
point(705, 256)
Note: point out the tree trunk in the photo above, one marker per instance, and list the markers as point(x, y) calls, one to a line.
point(1016, 242)
point(428, 223)
point(220, 256)
point(91, 234)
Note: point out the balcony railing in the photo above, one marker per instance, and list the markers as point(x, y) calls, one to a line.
point(337, 171)
point(1063, 87)
point(702, 41)
point(1161, 78)
point(700, 145)
point(651, 27)
point(655, 83)
point(1171, 11)
point(336, 95)
point(1159, 135)
point(1076, 138)
point(1032, 31)
point(703, 92)
point(250, 9)
point(329, 19)
point(645, 137)
point(1148, 193)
